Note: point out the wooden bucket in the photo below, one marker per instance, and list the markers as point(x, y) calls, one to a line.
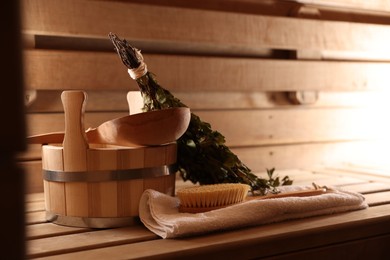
point(99, 186)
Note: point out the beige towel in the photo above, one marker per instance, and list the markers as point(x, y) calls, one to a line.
point(160, 214)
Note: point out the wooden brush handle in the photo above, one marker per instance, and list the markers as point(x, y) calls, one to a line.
point(303, 193)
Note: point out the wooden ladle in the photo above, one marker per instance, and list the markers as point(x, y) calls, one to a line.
point(148, 128)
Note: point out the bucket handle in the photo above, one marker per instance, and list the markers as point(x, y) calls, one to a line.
point(75, 143)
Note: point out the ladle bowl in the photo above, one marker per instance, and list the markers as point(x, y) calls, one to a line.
point(148, 128)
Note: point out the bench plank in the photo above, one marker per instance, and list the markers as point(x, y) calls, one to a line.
point(51, 230)
point(368, 187)
point(245, 243)
point(88, 240)
point(281, 8)
point(37, 217)
point(373, 5)
point(255, 127)
point(35, 206)
point(32, 197)
point(49, 69)
point(337, 171)
point(305, 154)
point(49, 101)
point(378, 198)
point(213, 28)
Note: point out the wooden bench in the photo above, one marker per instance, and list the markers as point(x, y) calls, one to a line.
point(351, 235)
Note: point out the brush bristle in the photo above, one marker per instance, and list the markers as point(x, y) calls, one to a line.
point(208, 197)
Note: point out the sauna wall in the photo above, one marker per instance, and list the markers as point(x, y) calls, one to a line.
point(289, 83)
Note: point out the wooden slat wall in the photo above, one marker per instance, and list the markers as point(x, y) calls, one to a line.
point(236, 63)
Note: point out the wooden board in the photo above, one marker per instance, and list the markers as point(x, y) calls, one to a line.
point(84, 240)
point(219, 28)
point(361, 11)
point(104, 71)
point(375, 5)
point(275, 7)
point(48, 101)
point(33, 175)
point(259, 127)
point(50, 230)
point(304, 155)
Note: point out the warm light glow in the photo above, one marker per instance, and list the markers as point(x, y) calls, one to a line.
point(378, 110)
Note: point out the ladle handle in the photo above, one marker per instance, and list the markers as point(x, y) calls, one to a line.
point(75, 143)
point(135, 102)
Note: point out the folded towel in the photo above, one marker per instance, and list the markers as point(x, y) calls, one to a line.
point(159, 212)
